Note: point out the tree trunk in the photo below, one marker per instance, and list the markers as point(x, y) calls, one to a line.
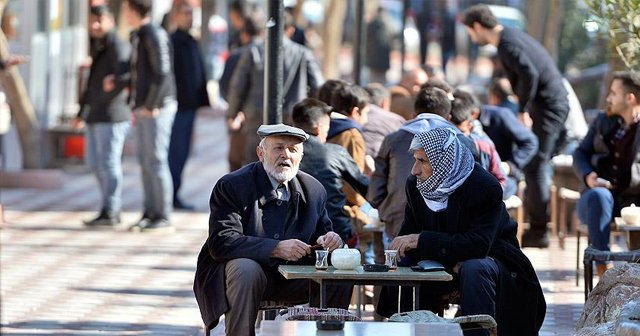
point(332, 37)
point(552, 29)
point(21, 108)
point(537, 18)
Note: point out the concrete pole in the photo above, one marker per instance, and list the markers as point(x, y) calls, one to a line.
point(357, 43)
point(274, 68)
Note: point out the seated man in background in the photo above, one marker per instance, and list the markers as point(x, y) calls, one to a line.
point(329, 163)
point(455, 215)
point(265, 214)
point(607, 161)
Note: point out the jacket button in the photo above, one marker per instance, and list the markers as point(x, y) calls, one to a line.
point(514, 275)
point(279, 202)
point(443, 251)
point(276, 236)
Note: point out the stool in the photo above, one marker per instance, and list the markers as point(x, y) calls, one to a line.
point(268, 309)
point(566, 196)
point(591, 254)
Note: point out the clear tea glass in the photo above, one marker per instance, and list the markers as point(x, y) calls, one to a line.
point(391, 259)
point(322, 260)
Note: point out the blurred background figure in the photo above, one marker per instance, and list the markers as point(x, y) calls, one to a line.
point(191, 93)
point(380, 35)
point(105, 115)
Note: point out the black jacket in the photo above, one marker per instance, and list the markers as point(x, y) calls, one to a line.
point(593, 155)
point(534, 77)
point(110, 56)
point(242, 225)
point(151, 69)
point(188, 67)
point(331, 164)
point(477, 226)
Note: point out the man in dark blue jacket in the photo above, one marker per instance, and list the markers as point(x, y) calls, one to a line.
point(191, 88)
point(264, 214)
point(329, 163)
point(538, 84)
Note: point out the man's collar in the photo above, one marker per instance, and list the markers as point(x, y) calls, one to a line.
point(266, 186)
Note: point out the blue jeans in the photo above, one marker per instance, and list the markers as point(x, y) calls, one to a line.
point(180, 146)
point(104, 143)
point(153, 148)
point(595, 208)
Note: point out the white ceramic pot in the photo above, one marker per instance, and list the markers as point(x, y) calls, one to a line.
point(631, 214)
point(345, 258)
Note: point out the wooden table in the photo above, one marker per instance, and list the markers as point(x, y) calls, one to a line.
point(633, 233)
point(308, 328)
point(403, 276)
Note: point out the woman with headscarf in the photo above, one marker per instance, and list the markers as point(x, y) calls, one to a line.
point(455, 215)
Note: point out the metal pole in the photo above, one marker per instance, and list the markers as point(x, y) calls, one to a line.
point(403, 47)
point(357, 43)
point(273, 72)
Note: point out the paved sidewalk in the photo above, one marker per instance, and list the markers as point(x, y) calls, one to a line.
point(59, 278)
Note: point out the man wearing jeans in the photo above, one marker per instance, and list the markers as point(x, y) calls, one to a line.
point(106, 114)
point(152, 94)
point(607, 161)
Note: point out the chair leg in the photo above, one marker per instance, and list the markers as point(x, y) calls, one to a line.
point(588, 278)
point(553, 205)
point(562, 222)
point(578, 258)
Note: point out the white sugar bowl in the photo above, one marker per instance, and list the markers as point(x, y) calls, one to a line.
point(630, 214)
point(345, 258)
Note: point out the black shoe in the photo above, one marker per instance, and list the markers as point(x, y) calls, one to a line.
point(159, 225)
point(104, 219)
point(142, 223)
point(178, 204)
point(539, 239)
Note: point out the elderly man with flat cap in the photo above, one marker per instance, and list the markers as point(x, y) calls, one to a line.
point(264, 214)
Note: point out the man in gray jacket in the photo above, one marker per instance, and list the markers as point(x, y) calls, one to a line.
point(302, 78)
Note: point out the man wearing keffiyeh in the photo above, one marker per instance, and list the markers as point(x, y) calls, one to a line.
point(455, 215)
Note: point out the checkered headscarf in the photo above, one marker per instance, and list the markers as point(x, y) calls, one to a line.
point(452, 163)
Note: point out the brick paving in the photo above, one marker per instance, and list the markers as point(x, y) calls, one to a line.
point(59, 278)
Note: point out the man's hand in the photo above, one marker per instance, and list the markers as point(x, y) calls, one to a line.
point(77, 123)
point(594, 181)
point(290, 249)
point(234, 124)
point(109, 83)
point(525, 119)
point(15, 60)
point(330, 241)
point(404, 243)
point(145, 112)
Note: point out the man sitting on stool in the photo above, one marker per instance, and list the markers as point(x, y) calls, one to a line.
point(607, 161)
point(455, 215)
point(265, 214)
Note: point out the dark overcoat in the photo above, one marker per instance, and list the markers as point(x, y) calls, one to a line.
point(244, 224)
point(477, 226)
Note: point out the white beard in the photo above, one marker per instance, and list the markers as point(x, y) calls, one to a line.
point(281, 175)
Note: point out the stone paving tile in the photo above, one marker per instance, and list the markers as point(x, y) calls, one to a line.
point(58, 278)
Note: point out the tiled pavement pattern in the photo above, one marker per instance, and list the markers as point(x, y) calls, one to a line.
point(58, 278)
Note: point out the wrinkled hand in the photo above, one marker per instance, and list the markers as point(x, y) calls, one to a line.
point(330, 241)
point(109, 83)
point(404, 243)
point(290, 249)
